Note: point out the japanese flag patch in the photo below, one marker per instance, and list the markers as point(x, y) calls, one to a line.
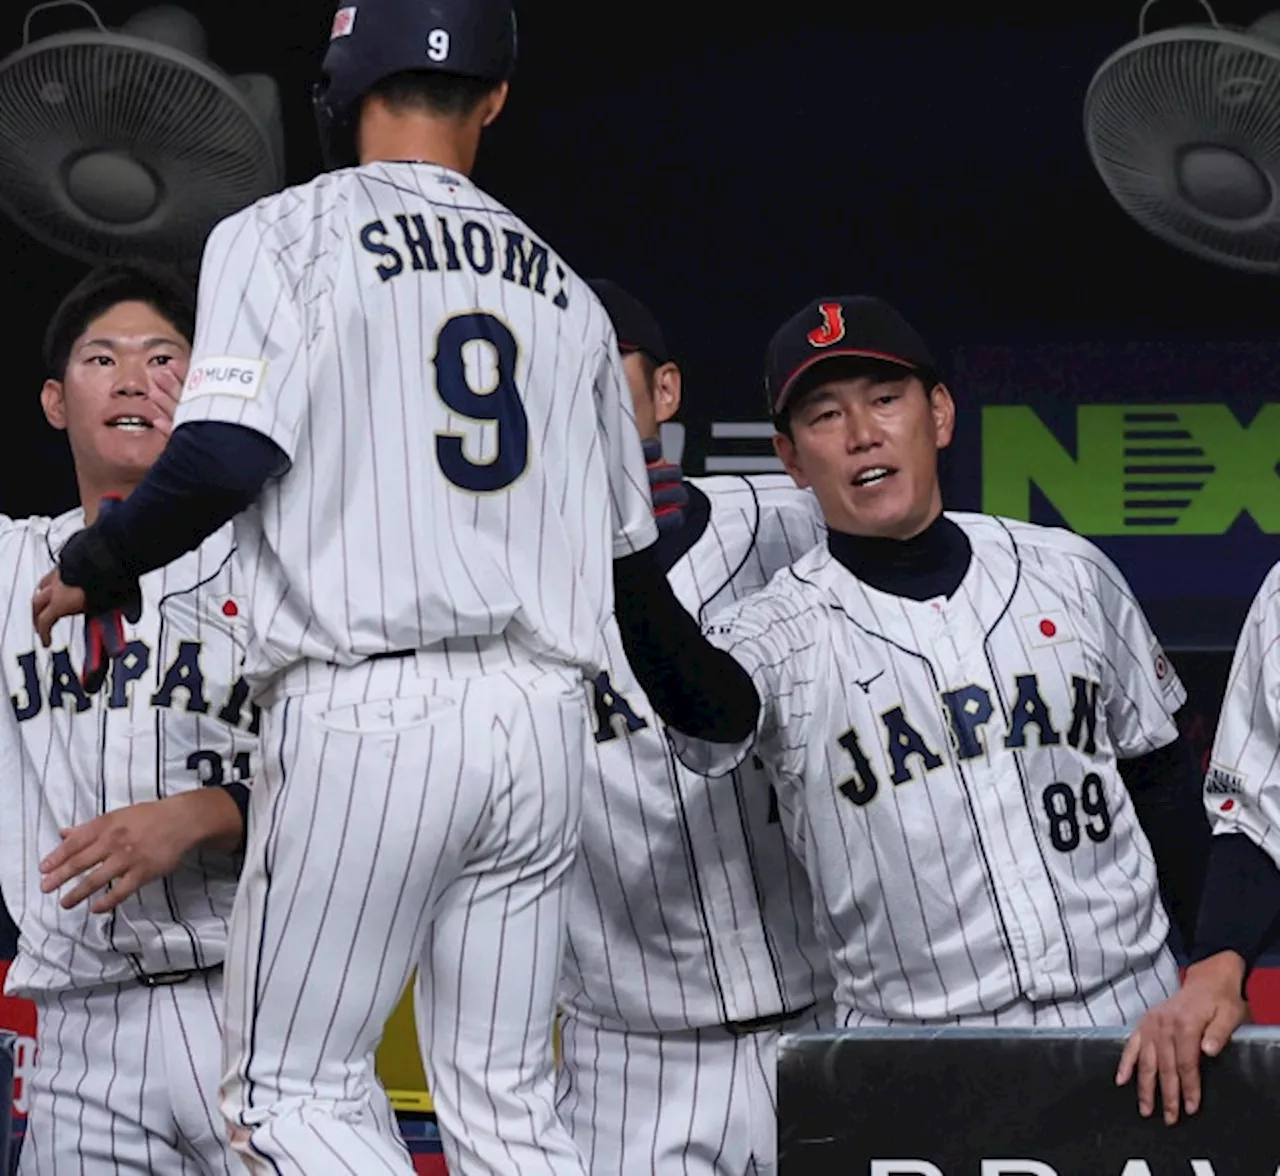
point(1164, 672)
point(1043, 629)
point(226, 609)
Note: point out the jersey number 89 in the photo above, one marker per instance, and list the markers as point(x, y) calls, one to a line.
point(499, 405)
point(1063, 809)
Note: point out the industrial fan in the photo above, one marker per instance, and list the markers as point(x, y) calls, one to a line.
point(1183, 126)
point(129, 144)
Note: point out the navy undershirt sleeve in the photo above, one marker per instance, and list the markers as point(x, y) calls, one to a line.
point(1240, 909)
point(208, 473)
point(239, 792)
point(1165, 787)
point(693, 686)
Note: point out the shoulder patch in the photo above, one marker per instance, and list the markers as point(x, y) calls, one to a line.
point(1220, 781)
point(225, 375)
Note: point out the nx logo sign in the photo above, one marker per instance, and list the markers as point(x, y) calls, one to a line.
point(1178, 469)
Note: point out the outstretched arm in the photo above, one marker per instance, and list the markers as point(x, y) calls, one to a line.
point(694, 687)
point(115, 855)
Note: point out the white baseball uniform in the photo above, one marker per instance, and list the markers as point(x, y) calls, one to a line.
point(1240, 788)
point(947, 770)
point(127, 1072)
point(464, 467)
point(690, 916)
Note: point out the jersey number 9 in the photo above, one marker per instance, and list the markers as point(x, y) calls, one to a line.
point(499, 404)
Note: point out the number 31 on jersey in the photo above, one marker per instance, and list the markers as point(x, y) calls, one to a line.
point(498, 405)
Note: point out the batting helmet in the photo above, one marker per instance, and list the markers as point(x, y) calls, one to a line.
point(373, 40)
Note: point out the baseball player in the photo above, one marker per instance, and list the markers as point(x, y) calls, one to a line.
point(123, 808)
point(1240, 911)
point(418, 414)
point(691, 941)
point(968, 721)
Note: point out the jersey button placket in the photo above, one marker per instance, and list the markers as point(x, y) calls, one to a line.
point(991, 776)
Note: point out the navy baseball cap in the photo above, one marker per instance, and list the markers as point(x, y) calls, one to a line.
point(633, 322)
point(839, 327)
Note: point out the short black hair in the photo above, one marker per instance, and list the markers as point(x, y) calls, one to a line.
point(850, 367)
point(425, 90)
point(166, 291)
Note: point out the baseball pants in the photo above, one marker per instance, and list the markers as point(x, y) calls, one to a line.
point(126, 1081)
point(406, 820)
point(698, 1102)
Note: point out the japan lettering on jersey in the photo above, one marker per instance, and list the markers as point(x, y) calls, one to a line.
point(948, 769)
point(688, 909)
point(1242, 786)
point(465, 461)
point(172, 716)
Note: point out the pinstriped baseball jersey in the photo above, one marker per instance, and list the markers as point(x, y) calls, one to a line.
point(451, 399)
point(1242, 786)
point(948, 770)
point(688, 909)
point(173, 715)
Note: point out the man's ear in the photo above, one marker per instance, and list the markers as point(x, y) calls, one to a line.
point(54, 402)
point(943, 407)
point(494, 103)
point(668, 385)
point(787, 453)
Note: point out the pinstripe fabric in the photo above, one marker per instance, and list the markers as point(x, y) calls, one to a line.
point(170, 715)
point(122, 1071)
point(418, 340)
point(127, 1083)
point(947, 771)
point(405, 819)
point(1242, 787)
point(1120, 1001)
point(688, 908)
point(700, 1102)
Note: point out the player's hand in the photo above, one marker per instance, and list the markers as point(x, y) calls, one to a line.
point(116, 854)
point(666, 487)
point(164, 390)
point(53, 601)
point(1166, 1047)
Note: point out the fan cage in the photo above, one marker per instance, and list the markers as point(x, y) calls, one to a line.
point(182, 121)
point(1176, 89)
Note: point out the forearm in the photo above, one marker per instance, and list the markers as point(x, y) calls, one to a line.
point(214, 818)
point(1166, 790)
point(1240, 908)
point(208, 473)
point(693, 686)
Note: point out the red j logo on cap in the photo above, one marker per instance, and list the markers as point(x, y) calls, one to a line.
point(832, 329)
